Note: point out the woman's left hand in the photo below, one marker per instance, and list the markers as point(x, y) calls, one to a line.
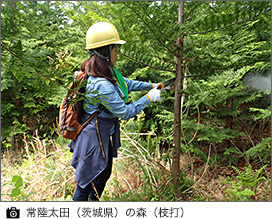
point(158, 85)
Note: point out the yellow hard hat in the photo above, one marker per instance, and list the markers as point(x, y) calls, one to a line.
point(102, 34)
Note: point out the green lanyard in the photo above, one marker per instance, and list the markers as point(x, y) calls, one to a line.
point(121, 83)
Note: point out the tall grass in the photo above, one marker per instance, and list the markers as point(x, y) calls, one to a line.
point(44, 166)
point(142, 171)
point(41, 171)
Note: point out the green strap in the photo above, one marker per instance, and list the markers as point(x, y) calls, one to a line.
point(121, 83)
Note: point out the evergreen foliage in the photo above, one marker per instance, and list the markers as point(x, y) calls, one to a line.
point(224, 41)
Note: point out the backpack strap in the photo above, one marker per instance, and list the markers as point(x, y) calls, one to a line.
point(100, 108)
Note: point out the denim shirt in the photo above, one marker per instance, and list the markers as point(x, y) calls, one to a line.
point(112, 95)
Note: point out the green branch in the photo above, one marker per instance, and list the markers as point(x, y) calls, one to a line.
point(238, 22)
point(39, 72)
point(145, 63)
point(150, 29)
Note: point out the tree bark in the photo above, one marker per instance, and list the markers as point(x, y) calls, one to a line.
point(177, 105)
point(181, 13)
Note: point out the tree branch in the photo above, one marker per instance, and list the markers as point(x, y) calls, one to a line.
point(210, 7)
point(145, 63)
point(147, 15)
point(150, 28)
point(32, 66)
point(213, 71)
point(238, 22)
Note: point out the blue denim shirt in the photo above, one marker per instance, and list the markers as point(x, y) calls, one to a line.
point(112, 95)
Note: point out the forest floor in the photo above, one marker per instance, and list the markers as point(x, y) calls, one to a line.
point(211, 183)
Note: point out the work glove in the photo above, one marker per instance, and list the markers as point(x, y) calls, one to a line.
point(154, 95)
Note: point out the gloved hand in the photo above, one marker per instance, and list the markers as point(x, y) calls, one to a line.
point(158, 85)
point(154, 95)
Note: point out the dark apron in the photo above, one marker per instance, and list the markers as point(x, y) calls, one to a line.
point(88, 158)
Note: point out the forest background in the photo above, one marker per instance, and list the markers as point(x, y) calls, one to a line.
point(225, 139)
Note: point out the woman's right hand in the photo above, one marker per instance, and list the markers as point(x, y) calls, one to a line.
point(154, 95)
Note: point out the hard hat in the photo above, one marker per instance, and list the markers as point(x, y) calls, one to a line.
point(102, 34)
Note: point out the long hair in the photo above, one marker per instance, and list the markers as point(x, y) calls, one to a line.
point(98, 67)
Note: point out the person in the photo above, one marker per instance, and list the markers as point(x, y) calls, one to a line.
point(97, 144)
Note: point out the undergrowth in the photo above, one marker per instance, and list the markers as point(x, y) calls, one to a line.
point(41, 171)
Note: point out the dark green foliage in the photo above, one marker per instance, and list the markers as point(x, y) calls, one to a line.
point(224, 41)
point(36, 32)
point(261, 151)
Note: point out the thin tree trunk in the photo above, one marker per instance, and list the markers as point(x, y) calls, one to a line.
point(177, 105)
point(181, 13)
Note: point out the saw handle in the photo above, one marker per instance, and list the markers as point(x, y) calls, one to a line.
point(160, 86)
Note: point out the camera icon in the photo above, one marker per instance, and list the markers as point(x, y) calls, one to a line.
point(13, 212)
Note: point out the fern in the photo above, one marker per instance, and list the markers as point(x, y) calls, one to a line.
point(245, 187)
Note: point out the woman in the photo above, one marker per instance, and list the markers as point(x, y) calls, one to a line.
point(97, 144)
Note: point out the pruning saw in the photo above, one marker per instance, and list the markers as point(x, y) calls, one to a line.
point(167, 83)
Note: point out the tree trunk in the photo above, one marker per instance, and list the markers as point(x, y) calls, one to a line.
point(177, 105)
point(181, 13)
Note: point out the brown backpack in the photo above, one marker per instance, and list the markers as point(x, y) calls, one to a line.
point(71, 110)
